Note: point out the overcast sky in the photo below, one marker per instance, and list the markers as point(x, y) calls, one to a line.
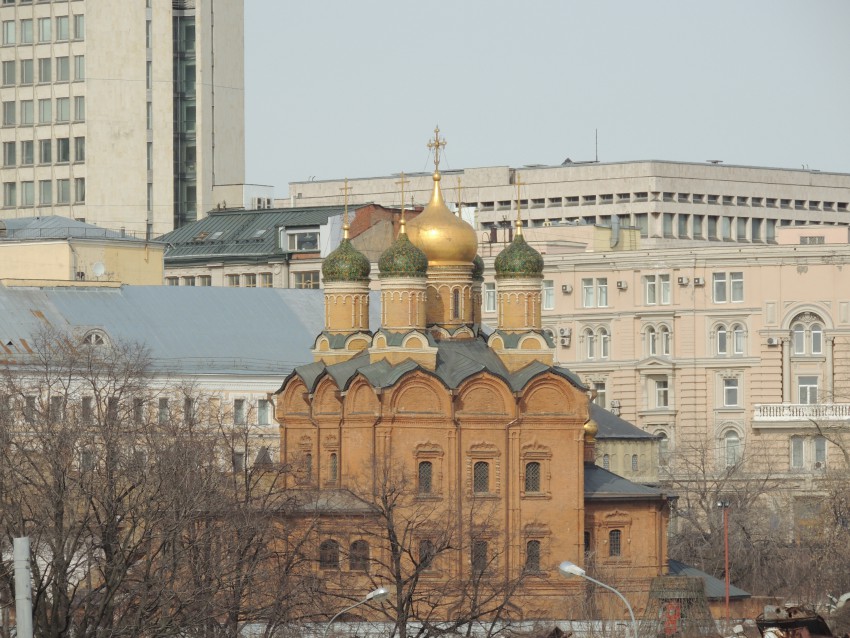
point(354, 89)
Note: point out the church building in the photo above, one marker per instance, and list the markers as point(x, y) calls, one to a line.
point(466, 436)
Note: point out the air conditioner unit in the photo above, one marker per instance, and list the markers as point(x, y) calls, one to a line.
point(773, 341)
point(565, 342)
point(547, 223)
point(683, 281)
point(565, 332)
point(622, 285)
point(615, 403)
point(566, 289)
point(699, 281)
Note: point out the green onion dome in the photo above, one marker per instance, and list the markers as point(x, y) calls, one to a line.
point(346, 263)
point(519, 260)
point(477, 268)
point(403, 259)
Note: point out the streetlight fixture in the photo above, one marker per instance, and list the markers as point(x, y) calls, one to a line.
point(375, 595)
point(571, 569)
point(724, 505)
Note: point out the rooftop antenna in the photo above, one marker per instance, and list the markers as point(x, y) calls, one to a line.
point(518, 208)
point(596, 134)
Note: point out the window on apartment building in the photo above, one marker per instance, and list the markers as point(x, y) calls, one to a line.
point(204, 280)
point(231, 280)
point(44, 31)
point(728, 287)
point(807, 334)
point(819, 444)
point(63, 149)
point(731, 398)
point(26, 31)
point(45, 154)
point(306, 279)
point(63, 191)
point(664, 339)
point(656, 289)
point(162, 412)
point(10, 157)
point(663, 448)
point(27, 193)
point(662, 392)
point(61, 28)
point(303, 241)
point(641, 222)
point(45, 192)
point(594, 292)
point(266, 280)
point(62, 69)
point(9, 75)
point(45, 70)
point(606, 462)
point(79, 108)
point(249, 280)
point(797, 460)
point(597, 343)
point(264, 412)
point(807, 390)
point(239, 412)
point(79, 149)
point(548, 294)
point(79, 189)
point(172, 281)
point(27, 152)
point(601, 396)
point(79, 27)
point(732, 449)
point(45, 111)
point(27, 112)
point(10, 194)
point(188, 281)
point(79, 67)
point(9, 32)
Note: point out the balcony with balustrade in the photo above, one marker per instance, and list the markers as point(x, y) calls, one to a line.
point(790, 415)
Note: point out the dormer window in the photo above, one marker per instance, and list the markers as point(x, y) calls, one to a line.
point(305, 240)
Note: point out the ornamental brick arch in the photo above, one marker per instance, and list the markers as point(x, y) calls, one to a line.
point(361, 400)
point(293, 400)
point(326, 398)
point(554, 396)
point(419, 395)
point(484, 394)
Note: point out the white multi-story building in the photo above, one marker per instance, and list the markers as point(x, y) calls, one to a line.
point(123, 114)
point(667, 201)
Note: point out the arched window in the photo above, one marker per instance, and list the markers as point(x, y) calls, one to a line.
point(651, 341)
point(456, 304)
point(481, 477)
point(663, 448)
point(590, 343)
point(799, 332)
point(732, 448)
point(532, 556)
point(614, 543)
point(664, 334)
point(604, 343)
point(606, 461)
point(358, 556)
point(738, 339)
point(720, 336)
point(532, 477)
point(634, 463)
point(817, 338)
point(329, 555)
point(480, 552)
point(333, 469)
point(425, 477)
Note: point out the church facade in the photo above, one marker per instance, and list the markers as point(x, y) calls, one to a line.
point(438, 452)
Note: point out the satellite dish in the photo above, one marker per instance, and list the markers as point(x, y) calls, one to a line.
point(98, 269)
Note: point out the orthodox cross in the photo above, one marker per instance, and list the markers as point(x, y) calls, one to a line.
point(401, 183)
point(437, 145)
point(345, 189)
point(518, 207)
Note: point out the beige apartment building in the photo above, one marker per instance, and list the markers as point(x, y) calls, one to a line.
point(125, 116)
point(668, 201)
point(738, 350)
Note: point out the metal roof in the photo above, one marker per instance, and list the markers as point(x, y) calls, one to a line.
point(244, 234)
point(600, 484)
point(189, 330)
point(613, 427)
point(715, 589)
point(56, 227)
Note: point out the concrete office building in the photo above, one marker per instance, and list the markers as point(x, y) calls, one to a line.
point(667, 201)
point(129, 117)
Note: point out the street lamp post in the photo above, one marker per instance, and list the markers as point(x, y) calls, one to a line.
point(571, 569)
point(724, 505)
point(375, 595)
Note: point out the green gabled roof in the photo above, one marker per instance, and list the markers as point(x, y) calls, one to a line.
point(241, 234)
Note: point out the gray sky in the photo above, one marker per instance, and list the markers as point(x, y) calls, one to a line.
point(355, 88)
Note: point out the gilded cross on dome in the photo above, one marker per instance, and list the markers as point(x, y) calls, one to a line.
point(402, 182)
point(345, 225)
point(437, 145)
point(518, 207)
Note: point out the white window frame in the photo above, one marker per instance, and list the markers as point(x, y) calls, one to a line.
point(588, 293)
point(808, 389)
point(662, 392)
point(797, 453)
point(731, 393)
point(489, 297)
point(292, 240)
point(719, 289)
point(548, 290)
point(732, 448)
point(736, 286)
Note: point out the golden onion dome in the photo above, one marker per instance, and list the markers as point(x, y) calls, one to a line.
point(444, 238)
point(591, 428)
